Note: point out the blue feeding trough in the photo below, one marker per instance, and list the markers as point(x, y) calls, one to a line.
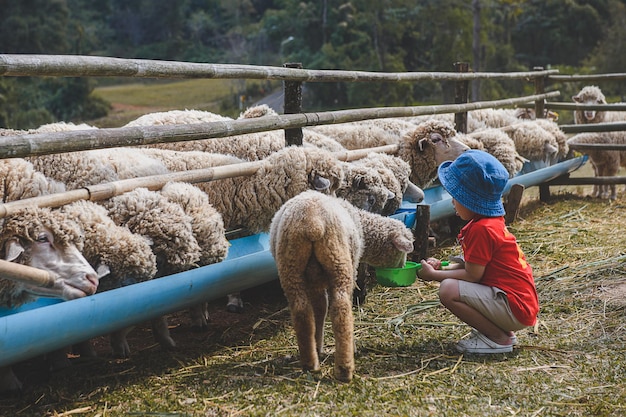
point(48, 324)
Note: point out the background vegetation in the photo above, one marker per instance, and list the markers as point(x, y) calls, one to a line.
point(392, 35)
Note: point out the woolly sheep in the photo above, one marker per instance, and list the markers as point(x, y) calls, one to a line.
point(318, 242)
point(171, 236)
point(395, 173)
point(498, 144)
point(605, 163)
point(251, 146)
point(251, 201)
point(48, 240)
point(533, 142)
point(424, 147)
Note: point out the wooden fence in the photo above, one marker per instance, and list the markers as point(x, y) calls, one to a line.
point(87, 66)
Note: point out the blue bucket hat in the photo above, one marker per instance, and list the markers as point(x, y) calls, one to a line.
point(475, 179)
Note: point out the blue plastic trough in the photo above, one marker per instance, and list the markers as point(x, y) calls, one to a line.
point(49, 324)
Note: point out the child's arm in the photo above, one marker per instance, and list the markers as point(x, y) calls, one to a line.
point(472, 272)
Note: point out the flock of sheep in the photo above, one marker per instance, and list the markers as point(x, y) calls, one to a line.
point(324, 215)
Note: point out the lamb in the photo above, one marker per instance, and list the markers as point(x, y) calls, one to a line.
point(47, 240)
point(318, 242)
point(605, 163)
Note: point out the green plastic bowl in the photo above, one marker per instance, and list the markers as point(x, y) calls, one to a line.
point(398, 277)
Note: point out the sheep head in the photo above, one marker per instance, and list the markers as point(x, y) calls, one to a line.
point(589, 95)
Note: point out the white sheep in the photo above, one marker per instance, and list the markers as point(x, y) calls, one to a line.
point(318, 242)
point(424, 147)
point(48, 240)
point(395, 173)
point(605, 163)
point(498, 144)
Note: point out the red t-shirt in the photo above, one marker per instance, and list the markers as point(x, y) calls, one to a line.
point(486, 241)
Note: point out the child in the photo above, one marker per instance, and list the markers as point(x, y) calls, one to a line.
point(494, 290)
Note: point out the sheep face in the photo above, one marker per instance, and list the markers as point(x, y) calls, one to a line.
point(50, 241)
point(427, 146)
point(364, 188)
point(589, 95)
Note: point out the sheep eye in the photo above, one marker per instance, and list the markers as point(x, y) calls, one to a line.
point(42, 238)
point(436, 137)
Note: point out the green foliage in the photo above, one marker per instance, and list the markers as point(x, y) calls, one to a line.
point(366, 35)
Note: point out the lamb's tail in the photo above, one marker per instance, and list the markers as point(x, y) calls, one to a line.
point(315, 229)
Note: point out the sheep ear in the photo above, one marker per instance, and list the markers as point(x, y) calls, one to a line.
point(421, 144)
point(102, 270)
point(13, 249)
point(413, 193)
point(358, 183)
point(320, 183)
point(402, 244)
point(576, 98)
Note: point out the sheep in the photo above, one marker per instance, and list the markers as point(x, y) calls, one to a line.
point(395, 174)
point(252, 146)
point(48, 240)
point(533, 142)
point(317, 242)
point(173, 243)
point(424, 147)
point(605, 163)
point(498, 144)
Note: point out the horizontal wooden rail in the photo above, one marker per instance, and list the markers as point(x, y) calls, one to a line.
point(26, 274)
point(598, 146)
point(586, 180)
point(594, 127)
point(19, 146)
point(25, 65)
point(576, 106)
point(103, 191)
point(587, 77)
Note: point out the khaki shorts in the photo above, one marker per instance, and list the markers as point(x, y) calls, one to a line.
point(491, 302)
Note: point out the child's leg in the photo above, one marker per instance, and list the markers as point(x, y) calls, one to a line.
point(451, 298)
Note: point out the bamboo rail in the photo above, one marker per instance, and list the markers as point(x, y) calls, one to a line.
point(26, 65)
point(103, 191)
point(594, 127)
point(48, 143)
point(26, 274)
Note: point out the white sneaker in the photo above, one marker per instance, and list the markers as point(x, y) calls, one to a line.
point(479, 343)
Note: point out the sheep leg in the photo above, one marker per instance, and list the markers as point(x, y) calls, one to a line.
point(9, 384)
point(319, 303)
point(234, 303)
point(57, 359)
point(343, 329)
point(119, 343)
point(199, 315)
point(161, 333)
point(85, 349)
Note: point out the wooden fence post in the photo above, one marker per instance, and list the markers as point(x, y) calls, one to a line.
point(539, 89)
point(460, 97)
point(292, 105)
point(421, 231)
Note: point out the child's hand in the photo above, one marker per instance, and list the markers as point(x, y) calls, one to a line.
point(426, 272)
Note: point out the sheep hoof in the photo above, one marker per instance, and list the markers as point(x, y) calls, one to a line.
point(234, 308)
point(343, 374)
point(199, 328)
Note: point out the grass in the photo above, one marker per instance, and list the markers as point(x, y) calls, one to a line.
point(572, 363)
point(132, 100)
